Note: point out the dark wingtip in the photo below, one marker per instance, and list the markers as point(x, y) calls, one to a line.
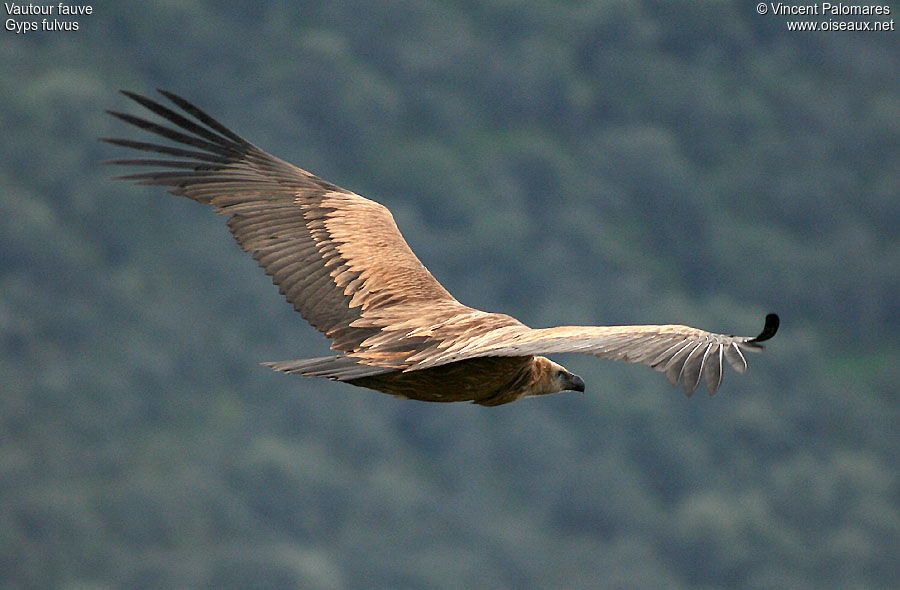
point(128, 93)
point(769, 330)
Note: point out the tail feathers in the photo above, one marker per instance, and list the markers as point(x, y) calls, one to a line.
point(338, 367)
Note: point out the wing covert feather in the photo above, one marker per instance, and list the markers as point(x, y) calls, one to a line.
point(333, 254)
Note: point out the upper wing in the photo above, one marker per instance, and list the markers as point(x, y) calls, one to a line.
point(681, 352)
point(336, 256)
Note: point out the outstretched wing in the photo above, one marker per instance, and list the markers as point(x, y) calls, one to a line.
point(683, 353)
point(336, 256)
point(341, 261)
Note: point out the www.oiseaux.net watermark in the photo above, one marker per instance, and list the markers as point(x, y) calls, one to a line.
point(835, 16)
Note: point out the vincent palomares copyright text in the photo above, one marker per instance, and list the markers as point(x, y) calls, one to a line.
point(839, 16)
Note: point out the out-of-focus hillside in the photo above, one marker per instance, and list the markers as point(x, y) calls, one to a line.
point(566, 163)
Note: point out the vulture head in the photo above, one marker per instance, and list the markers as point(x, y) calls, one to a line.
point(554, 378)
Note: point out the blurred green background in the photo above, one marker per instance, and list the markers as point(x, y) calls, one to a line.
point(566, 163)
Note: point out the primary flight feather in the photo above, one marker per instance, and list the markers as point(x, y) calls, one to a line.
point(340, 260)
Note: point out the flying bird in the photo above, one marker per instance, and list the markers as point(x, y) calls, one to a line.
point(341, 261)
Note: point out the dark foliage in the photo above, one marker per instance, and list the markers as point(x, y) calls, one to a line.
point(566, 163)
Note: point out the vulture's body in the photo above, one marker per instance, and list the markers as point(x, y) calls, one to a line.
point(343, 264)
point(487, 380)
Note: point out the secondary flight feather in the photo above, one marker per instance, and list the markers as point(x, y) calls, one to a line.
point(341, 261)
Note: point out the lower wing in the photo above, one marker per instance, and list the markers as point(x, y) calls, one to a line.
point(683, 353)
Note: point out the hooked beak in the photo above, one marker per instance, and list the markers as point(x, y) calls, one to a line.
point(576, 383)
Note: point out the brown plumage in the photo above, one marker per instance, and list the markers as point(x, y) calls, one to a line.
point(341, 261)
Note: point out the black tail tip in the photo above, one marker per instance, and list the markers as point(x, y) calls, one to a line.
point(769, 329)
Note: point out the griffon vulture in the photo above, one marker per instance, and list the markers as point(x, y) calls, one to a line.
point(343, 264)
